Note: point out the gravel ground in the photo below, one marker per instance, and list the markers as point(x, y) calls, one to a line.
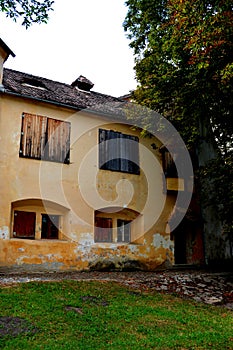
point(207, 287)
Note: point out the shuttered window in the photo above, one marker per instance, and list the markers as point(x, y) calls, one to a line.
point(118, 152)
point(103, 229)
point(45, 138)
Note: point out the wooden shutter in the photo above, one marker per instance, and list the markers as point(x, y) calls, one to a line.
point(103, 230)
point(24, 224)
point(133, 163)
point(129, 154)
point(114, 151)
point(33, 136)
point(58, 144)
point(117, 152)
point(102, 149)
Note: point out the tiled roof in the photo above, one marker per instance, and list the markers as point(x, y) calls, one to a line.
point(30, 86)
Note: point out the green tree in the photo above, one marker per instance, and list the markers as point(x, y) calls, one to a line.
point(30, 11)
point(184, 66)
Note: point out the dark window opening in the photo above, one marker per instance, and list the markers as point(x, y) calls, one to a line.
point(103, 230)
point(168, 163)
point(49, 227)
point(123, 230)
point(24, 224)
point(30, 82)
point(118, 152)
point(45, 138)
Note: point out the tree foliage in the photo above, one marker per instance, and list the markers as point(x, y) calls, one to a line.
point(30, 11)
point(183, 53)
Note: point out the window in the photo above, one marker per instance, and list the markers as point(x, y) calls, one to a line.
point(103, 229)
point(169, 166)
point(118, 152)
point(123, 230)
point(45, 138)
point(50, 224)
point(24, 224)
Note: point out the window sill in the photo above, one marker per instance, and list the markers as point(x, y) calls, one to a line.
point(174, 184)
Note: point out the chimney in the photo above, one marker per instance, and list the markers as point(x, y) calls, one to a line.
point(83, 83)
point(5, 52)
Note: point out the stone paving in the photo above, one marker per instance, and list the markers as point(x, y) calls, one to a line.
point(215, 288)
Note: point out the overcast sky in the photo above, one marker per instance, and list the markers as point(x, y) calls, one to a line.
point(82, 37)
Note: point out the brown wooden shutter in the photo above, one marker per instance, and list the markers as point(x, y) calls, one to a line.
point(103, 230)
point(24, 224)
point(33, 136)
point(58, 144)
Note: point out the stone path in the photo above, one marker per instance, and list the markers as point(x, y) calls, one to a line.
point(214, 288)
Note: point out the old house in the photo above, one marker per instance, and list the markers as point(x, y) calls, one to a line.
point(79, 187)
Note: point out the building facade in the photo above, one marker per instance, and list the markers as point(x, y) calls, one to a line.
point(80, 188)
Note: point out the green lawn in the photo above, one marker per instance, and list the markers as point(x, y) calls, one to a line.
point(104, 315)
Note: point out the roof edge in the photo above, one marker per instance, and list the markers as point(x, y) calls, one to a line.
point(6, 48)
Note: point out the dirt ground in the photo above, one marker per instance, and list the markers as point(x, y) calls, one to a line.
point(209, 287)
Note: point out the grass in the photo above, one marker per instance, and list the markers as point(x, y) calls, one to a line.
point(104, 315)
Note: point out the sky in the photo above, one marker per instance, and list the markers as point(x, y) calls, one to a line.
point(82, 37)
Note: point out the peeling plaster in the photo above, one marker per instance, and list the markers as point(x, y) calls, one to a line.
point(4, 232)
point(72, 237)
point(21, 250)
point(86, 239)
point(133, 248)
point(160, 242)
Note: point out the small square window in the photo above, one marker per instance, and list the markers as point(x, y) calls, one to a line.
point(123, 230)
point(49, 227)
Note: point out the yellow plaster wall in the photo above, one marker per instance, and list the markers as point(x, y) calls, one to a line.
point(80, 188)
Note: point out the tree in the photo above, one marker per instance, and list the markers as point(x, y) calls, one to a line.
point(183, 53)
point(31, 11)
